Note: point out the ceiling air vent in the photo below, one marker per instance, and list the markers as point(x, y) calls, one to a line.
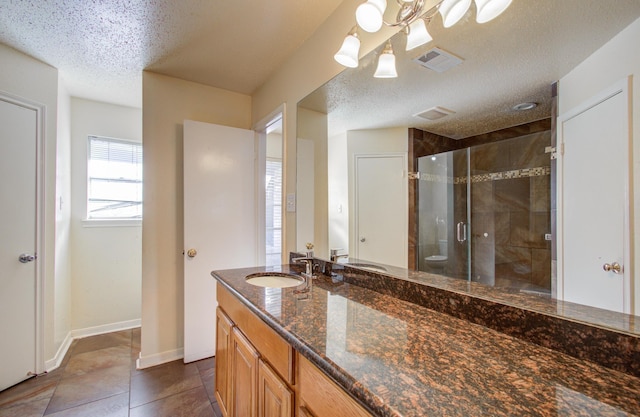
point(434, 113)
point(438, 60)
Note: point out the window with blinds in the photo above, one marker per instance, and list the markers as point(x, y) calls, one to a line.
point(273, 209)
point(114, 183)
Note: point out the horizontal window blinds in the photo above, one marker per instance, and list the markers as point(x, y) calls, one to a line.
point(114, 180)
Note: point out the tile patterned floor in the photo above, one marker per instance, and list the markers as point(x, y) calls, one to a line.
point(98, 378)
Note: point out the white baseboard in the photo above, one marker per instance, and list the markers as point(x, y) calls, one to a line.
point(200, 355)
point(105, 328)
point(159, 358)
point(55, 362)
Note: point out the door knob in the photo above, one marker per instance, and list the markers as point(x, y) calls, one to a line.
point(615, 267)
point(191, 253)
point(362, 239)
point(26, 258)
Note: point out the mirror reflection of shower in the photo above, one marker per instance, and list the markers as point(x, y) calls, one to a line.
point(484, 214)
point(433, 215)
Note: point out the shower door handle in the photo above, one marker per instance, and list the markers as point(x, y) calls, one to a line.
point(461, 232)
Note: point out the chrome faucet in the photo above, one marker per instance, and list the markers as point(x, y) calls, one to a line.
point(307, 274)
point(334, 255)
point(308, 261)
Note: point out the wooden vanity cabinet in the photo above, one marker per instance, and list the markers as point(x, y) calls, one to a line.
point(275, 399)
point(223, 354)
point(320, 397)
point(303, 412)
point(258, 374)
point(248, 356)
point(244, 376)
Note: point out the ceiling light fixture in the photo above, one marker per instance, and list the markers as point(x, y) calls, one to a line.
point(452, 11)
point(525, 106)
point(386, 63)
point(413, 17)
point(369, 15)
point(417, 34)
point(348, 53)
point(488, 10)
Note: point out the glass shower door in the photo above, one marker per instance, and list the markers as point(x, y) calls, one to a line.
point(484, 214)
point(443, 222)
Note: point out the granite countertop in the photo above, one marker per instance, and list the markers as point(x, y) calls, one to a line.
point(401, 359)
point(534, 302)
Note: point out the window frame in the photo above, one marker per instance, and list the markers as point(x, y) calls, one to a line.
point(276, 203)
point(111, 221)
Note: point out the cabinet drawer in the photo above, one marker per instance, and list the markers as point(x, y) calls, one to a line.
point(321, 397)
point(271, 345)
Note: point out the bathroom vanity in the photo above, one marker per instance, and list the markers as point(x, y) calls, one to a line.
point(343, 349)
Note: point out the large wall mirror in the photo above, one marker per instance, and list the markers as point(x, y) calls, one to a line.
point(449, 171)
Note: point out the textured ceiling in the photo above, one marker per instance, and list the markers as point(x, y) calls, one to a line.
point(102, 46)
point(510, 60)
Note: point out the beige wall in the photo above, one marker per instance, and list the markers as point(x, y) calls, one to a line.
point(28, 78)
point(167, 102)
point(106, 260)
point(613, 62)
point(311, 66)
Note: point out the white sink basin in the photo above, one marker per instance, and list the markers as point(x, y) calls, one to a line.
point(274, 280)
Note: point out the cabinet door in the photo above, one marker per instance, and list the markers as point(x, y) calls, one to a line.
point(274, 397)
point(320, 394)
point(244, 376)
point(304, 412)
point(223, 350)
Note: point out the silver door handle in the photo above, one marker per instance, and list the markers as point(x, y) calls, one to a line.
point(461, 232)
point(26, 258)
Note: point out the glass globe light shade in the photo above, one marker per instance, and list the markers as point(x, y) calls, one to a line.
point(348, 53)
point(453, 10)
point(418, 34)
point(369, 15)
point(490, 9)
point(386, 66)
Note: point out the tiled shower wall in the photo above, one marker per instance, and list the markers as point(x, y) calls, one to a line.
point(510, 203)
point(510, 213)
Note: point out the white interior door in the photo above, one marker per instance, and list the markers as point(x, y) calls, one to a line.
point(305, 189)
point(594, 202)
point(381, 209)
point(18, 138)
point(219, 222)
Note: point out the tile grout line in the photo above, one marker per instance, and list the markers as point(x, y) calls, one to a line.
point(60, 369)
point(49, 404)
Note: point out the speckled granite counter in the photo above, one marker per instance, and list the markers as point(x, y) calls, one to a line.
point(399, 358)
point(604, 337)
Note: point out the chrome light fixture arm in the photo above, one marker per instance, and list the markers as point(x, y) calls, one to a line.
point(408, 12)
point(411, 11)
point(412, 17)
